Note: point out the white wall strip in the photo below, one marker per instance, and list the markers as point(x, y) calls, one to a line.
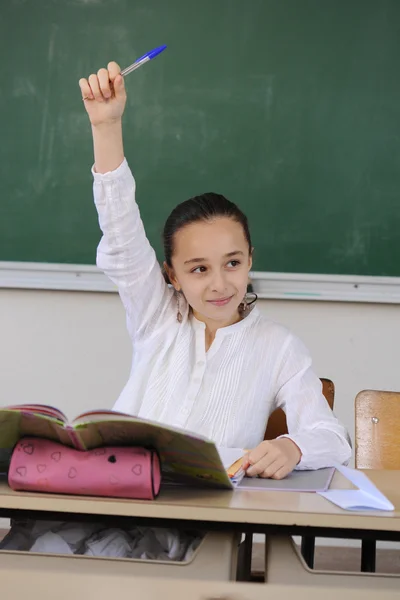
point(287, 286)
point(336, 288)
point(52, 276)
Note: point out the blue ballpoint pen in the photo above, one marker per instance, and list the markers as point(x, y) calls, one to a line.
point(143, 60)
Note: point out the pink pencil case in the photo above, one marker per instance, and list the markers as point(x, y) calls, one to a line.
point(122, 472)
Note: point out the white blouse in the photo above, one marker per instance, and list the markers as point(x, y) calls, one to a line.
point(226, 393)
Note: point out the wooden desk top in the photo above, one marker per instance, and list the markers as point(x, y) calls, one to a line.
point(253, 507)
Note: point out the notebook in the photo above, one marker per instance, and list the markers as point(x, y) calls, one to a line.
point(297, 481)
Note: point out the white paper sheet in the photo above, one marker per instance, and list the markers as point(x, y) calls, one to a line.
point(367, 497)
point(230, 455)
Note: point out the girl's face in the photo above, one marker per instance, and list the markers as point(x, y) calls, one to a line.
point(210, 265)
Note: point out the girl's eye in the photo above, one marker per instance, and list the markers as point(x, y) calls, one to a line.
point(234, 263)
point(199, 270)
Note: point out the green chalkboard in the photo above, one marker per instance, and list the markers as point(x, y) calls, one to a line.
point(291, 108)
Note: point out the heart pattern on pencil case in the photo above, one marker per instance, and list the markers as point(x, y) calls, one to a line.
point(28, 448)
point(41, 468)
point(21, 471)
point(72, 473)
point(137, 470)
point(56, 456)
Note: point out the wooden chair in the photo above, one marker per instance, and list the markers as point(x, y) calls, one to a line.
point(277, 426)
point(377, 433)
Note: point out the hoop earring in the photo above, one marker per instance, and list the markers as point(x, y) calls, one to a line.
point(245, 305)
point(255, 298)
point(179, 317)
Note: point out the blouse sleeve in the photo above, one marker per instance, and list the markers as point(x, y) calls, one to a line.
point(124, 254)
point(322, 439)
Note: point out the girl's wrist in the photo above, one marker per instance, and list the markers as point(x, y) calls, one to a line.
point(107, 126)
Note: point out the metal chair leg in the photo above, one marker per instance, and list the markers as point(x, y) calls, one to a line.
point(308, 550)
point(368, 556)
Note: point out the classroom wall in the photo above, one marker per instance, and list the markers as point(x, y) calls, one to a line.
point(71, 348)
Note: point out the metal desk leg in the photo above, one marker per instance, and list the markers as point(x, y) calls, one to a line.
point(244, 558)
point(368, 556)
point(308, 550)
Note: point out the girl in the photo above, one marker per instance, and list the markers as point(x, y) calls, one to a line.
point(204, 358)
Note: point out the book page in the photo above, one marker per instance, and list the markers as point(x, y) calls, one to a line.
point(15, 424)
point(39, 409)
point(101, 414)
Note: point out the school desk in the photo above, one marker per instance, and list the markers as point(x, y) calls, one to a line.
point(272, 513)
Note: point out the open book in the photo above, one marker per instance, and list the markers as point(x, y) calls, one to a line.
point(185, 457)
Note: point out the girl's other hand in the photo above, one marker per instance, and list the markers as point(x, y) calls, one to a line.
point(274, 459)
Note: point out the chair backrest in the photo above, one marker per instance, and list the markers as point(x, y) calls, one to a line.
point(377, 425)
point(277, 425)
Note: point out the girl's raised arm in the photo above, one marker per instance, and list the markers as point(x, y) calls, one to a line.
point(124, 253)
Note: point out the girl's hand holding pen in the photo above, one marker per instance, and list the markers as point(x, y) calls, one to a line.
point(104, 95)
